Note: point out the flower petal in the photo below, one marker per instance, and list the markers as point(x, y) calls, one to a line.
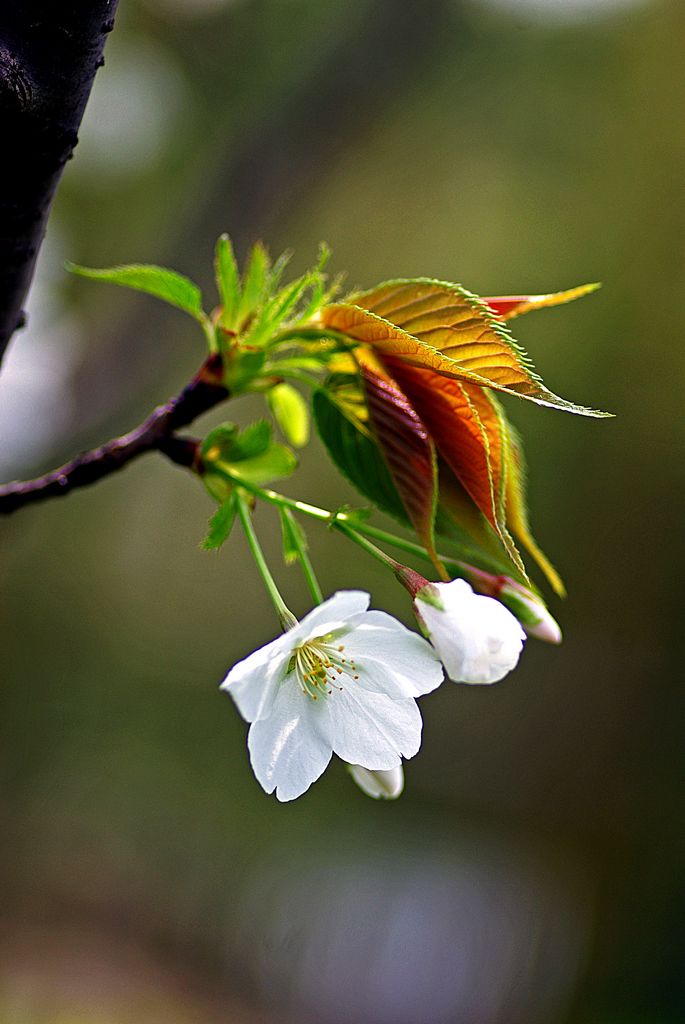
point(391, 658)
point(371, 729)
point(287, 751)
point(337, 611)
point(253, 682)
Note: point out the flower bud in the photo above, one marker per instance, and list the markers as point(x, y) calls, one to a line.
point(381, 785)
point(531, 612)
point(477, 639)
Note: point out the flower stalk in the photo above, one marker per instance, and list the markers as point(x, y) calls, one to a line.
point(303, 557)
point(285, 616)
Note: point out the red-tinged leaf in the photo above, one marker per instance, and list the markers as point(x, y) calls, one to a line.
point(509, 306)
point(444, 328)
point(468, 431)
point(517, 513)
point(408, 452)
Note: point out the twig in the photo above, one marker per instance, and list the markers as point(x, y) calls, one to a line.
point(156, 433)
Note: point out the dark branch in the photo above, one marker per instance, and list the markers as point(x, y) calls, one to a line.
point(49, 53)
point(156, 433)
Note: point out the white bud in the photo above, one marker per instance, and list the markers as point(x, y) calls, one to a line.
point(381, 785)
point(477, 639)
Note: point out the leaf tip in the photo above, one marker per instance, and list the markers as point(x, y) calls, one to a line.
point(76, 268)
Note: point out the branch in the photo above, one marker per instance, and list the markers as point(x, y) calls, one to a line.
point(49, 53)
point(156, 433)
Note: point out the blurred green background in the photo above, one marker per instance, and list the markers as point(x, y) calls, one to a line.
point(532, 872)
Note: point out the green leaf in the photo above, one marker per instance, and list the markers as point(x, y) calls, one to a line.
point(255, 283)
point(278, 268)
point(276, 310)
point(222, 436)
point(235, 445)
point(248, 455)
point(252, 441)
point(290, 412)
point(167, 285)
point(517, 512)
point(227, 280)
point(220, 525)
point(293, 536)
point(356, 455)
point(276, 462)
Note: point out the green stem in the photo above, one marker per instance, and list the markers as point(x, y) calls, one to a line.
point(286, 617)
point(304, 559)
point(314, 333)
point(339, 520)
point(297, 375)
point(403, 544)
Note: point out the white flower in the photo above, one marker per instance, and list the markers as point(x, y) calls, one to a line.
point(476, 637)
point(380, 785)
point(343, 681)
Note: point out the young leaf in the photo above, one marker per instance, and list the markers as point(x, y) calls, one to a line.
point(290, 412)
point(227, 280)
point(356, 455)
point(293, 536)
point(248, 455)
point(220, 524)
point(509, 306)
point(468, 431)
point(276, 272)
point(222, 437)
point(517, 513)
point(254, 440)
point(409, 453)
point(273, 464)
point(255, 281)
point(442, 327)
point(275, 311)
point(234, 445)
point(164, 284)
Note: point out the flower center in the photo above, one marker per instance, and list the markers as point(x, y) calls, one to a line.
point(320, 665)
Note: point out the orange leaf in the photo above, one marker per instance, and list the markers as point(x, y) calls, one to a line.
point(444, 328)
point(509, 306)
point(470, 434)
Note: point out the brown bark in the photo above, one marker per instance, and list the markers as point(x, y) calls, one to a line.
point(49, 53)
point(156, 433)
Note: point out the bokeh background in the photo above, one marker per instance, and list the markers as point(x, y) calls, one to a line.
point(533, 870)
